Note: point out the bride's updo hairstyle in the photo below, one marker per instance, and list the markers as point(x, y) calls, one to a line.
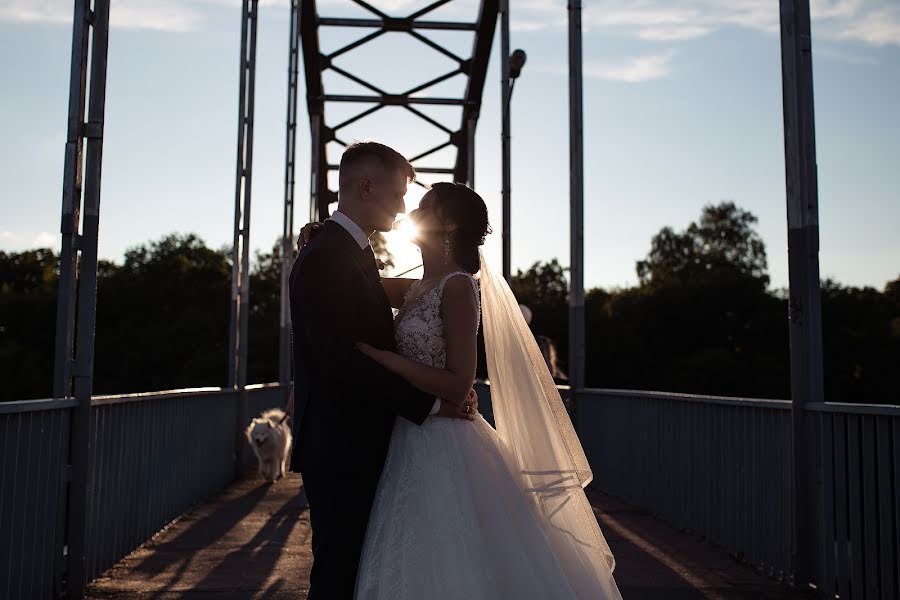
point(459, 203)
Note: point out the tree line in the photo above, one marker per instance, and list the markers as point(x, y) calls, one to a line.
point(702, 319)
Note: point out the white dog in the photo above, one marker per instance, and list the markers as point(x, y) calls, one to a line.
point(270, 437)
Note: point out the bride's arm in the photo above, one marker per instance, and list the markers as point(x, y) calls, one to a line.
point(396, 288)
point(459, 312)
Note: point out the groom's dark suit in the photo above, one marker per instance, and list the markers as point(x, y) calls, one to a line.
point(345, 402)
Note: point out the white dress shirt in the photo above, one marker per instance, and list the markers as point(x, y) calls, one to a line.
point(352, 228)
point(363, 240)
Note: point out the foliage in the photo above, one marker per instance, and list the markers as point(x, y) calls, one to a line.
point(722, 245)
point(701, 320)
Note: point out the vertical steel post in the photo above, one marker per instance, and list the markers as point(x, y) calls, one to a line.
point(287, 235)
point(78, 277)
point(315, 170)
point(71, 205)
point(803, 261)
point(505, 136)
point(576, 200)
point(470, 150)
point(240, 273)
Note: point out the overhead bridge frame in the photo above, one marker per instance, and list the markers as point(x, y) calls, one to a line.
point(474, 67)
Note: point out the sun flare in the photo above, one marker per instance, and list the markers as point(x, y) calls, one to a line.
point(399, 243)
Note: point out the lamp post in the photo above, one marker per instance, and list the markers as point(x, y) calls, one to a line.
point(511, 68)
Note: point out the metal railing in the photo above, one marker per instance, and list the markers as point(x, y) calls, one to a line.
point(34, 436)
point(719, 467)
point(152, 457)
point(859, 499)
point(722, 468)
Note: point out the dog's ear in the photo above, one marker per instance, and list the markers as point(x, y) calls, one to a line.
point(284, 418)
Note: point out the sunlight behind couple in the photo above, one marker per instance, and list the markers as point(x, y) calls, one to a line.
point(399, 241)
point(399, 244)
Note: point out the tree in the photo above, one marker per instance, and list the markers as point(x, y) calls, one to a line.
point(28, 288)
point(163, 318)
point(722, 244)
point(701, 319)
point(544, 289)
point(861, 342)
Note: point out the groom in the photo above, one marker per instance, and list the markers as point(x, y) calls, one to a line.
point(345, 403)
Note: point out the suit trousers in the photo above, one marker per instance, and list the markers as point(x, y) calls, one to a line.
point(339, 505)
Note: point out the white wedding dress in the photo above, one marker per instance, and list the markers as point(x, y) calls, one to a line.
point(452, 519)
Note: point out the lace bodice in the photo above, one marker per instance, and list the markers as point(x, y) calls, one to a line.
point(419, 329)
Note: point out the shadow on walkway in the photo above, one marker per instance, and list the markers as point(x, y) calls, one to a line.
point(252, 541)
point(655, 561)
point(249, 541)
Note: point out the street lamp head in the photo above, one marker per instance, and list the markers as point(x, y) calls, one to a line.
point(516, 62)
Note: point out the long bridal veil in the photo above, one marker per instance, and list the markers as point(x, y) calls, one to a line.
point(533, 423)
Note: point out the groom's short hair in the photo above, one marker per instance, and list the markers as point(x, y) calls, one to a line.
point(358, 153)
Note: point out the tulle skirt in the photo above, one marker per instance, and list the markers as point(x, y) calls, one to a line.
point(450, 520)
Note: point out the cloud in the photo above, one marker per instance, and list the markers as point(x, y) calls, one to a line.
point(22, 240)
point(634, 69)
point(159, 15)
point(878, 28)
point(871, 22)
point(670, 33)
point(830, 53)
point(524, 25)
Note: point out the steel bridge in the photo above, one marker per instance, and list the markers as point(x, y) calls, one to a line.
point(803, 490)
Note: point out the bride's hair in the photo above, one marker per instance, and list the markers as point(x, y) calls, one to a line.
point(461, 204)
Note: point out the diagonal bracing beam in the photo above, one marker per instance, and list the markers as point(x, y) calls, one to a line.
point(474, 68)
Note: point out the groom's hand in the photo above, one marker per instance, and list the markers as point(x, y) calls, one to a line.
point(467, 410)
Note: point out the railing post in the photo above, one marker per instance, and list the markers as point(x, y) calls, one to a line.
point(576, 211)
point(803, 261)
point(287, 235)
point(77, 303)
point(240, 289)
point(240, 269)
point(506, 234)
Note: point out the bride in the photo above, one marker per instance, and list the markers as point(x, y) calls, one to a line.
point(485, 513)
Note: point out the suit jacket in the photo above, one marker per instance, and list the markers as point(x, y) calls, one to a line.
point(344, 402)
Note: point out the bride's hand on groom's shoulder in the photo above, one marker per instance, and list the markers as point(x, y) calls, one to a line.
point(306, 234)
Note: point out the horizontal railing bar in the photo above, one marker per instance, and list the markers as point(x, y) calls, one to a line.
point(161, 395)
point(703, 399)
point(886, 410)
point(181, 393)
point(23, 406)
point(893, 410)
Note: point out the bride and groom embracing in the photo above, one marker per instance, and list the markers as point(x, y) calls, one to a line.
point(412, 494)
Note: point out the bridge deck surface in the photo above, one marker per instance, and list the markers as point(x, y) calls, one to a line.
point(252, 540)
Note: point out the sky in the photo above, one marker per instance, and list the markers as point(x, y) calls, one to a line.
point(682, 108)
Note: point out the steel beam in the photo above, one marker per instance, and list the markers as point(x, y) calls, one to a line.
point(392, 99)
point(474, 68)
point(477, 72)
point(504, 138)
point(397, 24)
point(77, 303)
point(805, 310)
point(240, 274)
point(576, 211)
point(287, 233)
